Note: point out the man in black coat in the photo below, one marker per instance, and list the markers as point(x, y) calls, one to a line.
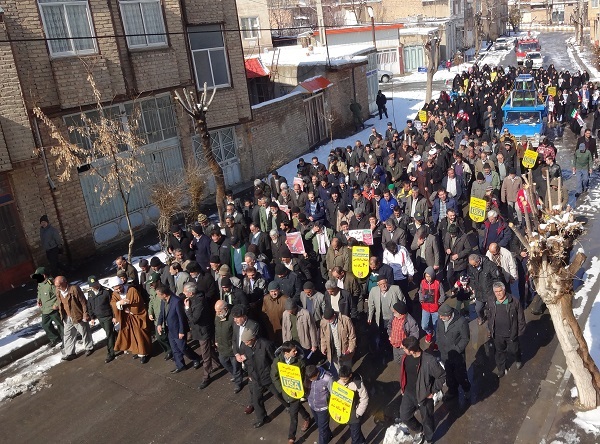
point(452, 337)
point(506, 322)
point(204, 280)
point(199, 312)
point(288, 281)
point(458, 247)
point(179, 239)
point(259, 354)
point(100, 311)
point(220, 246)
point(482, 273)
point(261, 240)
point(231, 294)
point(172, 317)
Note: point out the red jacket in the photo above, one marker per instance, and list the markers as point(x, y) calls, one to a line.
point(434, 286)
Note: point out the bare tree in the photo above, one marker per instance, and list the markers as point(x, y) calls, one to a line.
point(198, 110)
point(114, 157)
point(578, 18)
point(432, 53)
point(514, 18)
point(549, 249)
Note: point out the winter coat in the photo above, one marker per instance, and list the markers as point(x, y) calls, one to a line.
point(224, 335)
point(290, 284)
point(259, 359)
point(431, 294)
point(297, 361)
point(386, 208)
point(515, 316)
point(273, 316)
point(503, 231)
point(482, 279)
point(318, 394)
point(430, 376)
point(478, 189)
point(582, 161)
point(361, 398)
point(435, 211)
point(98, 305)
point(200, 317)
point(46, 296)
point(508, 264)
point(347, 335)
point(430, 249)
point(318, 303)
point(73, 305)
point(393, 295)
point(50, 238)
point(235, 337)
point(344, 303)
point(463, 247)
point(510, 188)
point(453, 341)
point(340, 257)
point(305, 326)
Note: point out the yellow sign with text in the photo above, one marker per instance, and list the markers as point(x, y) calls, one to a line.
point(477, 209)
point(291, 380)
point(360, 261)
point(529, 158)
point(423, 116)
point(340, 403)
point(466, 84)
point(493, 75)
point(552, 91)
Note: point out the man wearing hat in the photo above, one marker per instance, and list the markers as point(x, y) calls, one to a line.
point(401, 326)
point(479, 187)
point(154, 312)
point(200, 246)
point(452, 338)
point(46, 300)
point(231, 294)
point(288, 281)
point(130, 313)
point(272, 309)
point(100, 311)
point(51, 243)
point(258, 354)
point(166, 277)
point(72, 307)
point(313, 301)
point(297, 325)
point(338, 339)
point(220, 246)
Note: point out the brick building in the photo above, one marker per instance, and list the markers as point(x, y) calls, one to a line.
point(138, 52)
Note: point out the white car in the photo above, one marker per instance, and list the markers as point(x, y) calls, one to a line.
point(537, 59)
point(501, 43)
point(384, 75)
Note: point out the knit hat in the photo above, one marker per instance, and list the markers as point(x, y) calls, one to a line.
point(430, 271)
point(155, 262)
point(238, 311)
point(400, 307)
point(445, 310)
point(225, 282)
point(290, 304)
point(247, 335)
point(44, 218)
point(214, 259)
point(308, 285)
point(280, 269)
point(274, 286)
point(224, 270)
point(202, 217)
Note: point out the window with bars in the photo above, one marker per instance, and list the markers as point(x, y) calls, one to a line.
point(68, 26)
point(250, 27)
point(156, 120)
point(387, 56)
point(144, 23)
point(209, 56)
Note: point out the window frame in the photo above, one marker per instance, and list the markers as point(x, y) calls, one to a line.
point(251, 29)
point(127, 32)
point(74, 52)
point(199, 84)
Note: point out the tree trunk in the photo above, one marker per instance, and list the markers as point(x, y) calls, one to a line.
point(131, 234)
point(555, 286)
point(433, 61)
point(202, 129)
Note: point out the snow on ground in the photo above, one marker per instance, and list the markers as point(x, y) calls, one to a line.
point(586, 57)
point(28, 373)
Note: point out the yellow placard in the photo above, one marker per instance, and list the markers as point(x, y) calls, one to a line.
point(529, 158)
point(291, 380)
point(493, 75)
point(552, 91)
point(466, 84)
point(360, 261)
point(340, 403)
point(423, 115)
point(477, 209)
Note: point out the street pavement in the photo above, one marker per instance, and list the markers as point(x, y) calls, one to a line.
point(88, 401)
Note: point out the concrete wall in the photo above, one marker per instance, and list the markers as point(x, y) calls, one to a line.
point(250, 8)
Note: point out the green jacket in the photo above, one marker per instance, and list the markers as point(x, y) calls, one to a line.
point(582, 161)
point(153, 304)
point(46, 296)
point(298, 361)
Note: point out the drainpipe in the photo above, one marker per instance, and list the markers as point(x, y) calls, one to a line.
point(52, 186)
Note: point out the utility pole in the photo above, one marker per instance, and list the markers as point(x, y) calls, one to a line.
point(321, 23)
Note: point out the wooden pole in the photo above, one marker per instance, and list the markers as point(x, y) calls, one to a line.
point(548, 191)
point(560, 193)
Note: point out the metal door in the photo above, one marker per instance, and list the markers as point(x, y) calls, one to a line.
point(316, 125)
point(413, 58)
point(224, 147)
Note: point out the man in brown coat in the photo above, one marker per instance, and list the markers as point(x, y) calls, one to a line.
point(338, 339)
point(131, 315)
point(272, 310)
point(298, 326)
point(72, 307)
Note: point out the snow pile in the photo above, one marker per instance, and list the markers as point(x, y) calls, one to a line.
point(582, 294)
point(565, 437)
point(397, 433)
point(589, 421)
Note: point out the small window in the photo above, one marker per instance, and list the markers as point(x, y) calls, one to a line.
point(250, 27)
point(208, 53)
point(68, 26)
point(144, 23)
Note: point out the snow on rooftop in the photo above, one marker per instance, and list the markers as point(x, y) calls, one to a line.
point(338, 54)
point(417, 30)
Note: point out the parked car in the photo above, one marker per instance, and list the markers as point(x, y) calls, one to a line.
point(384, 75)
point(501, 43)
point(537, 59)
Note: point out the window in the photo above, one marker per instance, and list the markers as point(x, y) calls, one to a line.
point(208, 53)
point(144, 24)
point(156, 120)
point(250, 27)
point(68, 25)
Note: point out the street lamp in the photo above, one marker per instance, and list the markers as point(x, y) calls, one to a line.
point(372, 15)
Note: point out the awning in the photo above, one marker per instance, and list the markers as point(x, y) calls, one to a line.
point(313, 85)
point(255, 68)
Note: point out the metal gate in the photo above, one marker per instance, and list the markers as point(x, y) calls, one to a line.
point(413, 58)
point(316, 125)
point(224, 147)
point(107, 220)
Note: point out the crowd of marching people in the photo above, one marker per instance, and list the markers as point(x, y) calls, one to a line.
point(251, 301)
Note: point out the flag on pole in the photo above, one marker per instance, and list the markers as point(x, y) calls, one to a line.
point(575, 115)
